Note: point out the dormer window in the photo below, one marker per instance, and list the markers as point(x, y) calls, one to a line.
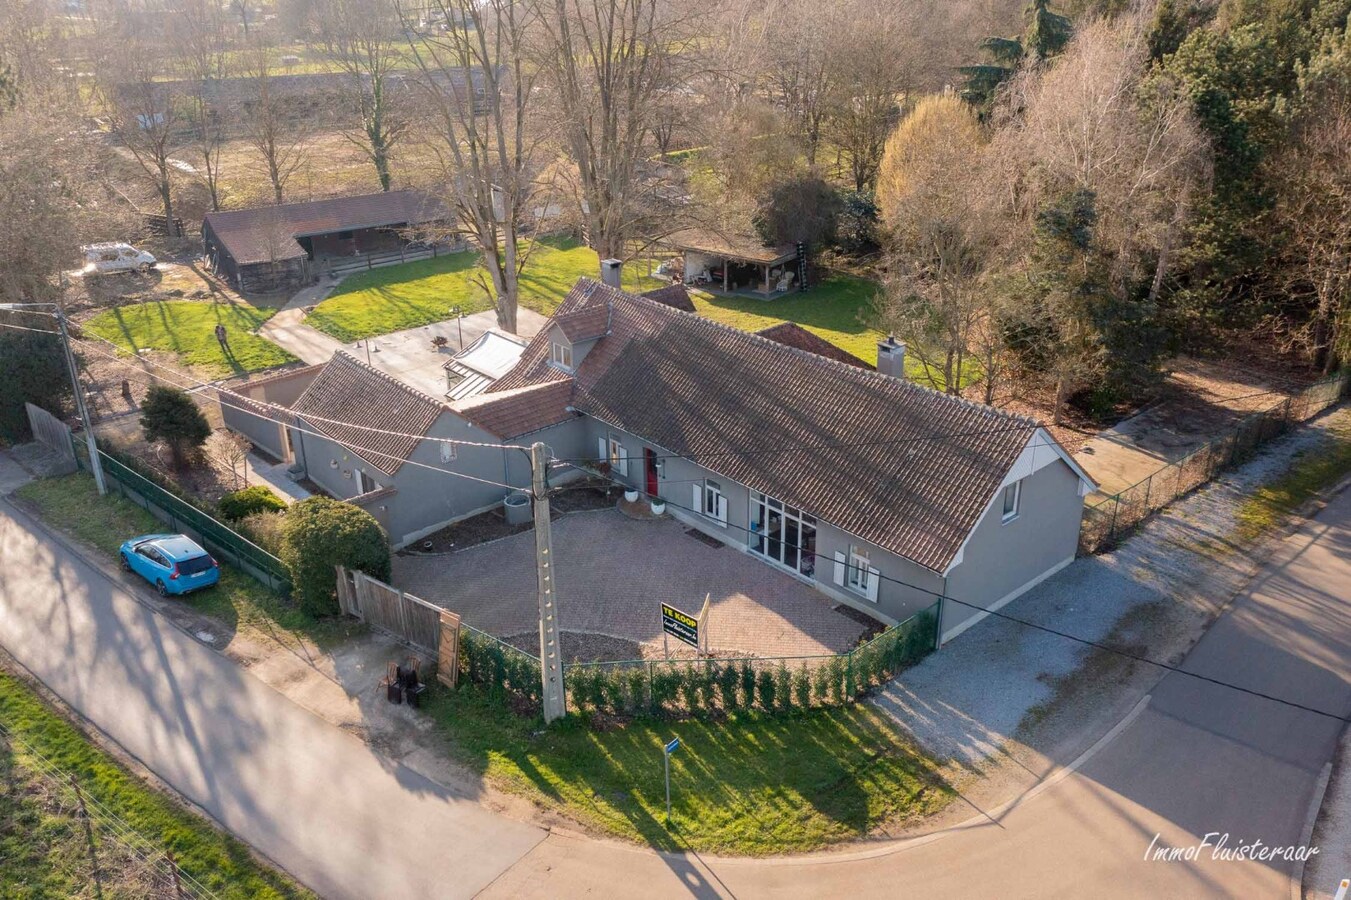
point(561, 354)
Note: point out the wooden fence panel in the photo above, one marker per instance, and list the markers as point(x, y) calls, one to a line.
point(408, 618)
point(448, 655)
point(52, 432)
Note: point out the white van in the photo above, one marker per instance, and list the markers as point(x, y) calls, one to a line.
point(102, 259)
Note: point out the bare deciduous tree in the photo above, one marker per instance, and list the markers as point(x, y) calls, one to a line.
point(360, 37)
point(614, 67)
point(198, 32)
point(478, 85)
point(144, 114)
point(943, 235)
point(270, 124)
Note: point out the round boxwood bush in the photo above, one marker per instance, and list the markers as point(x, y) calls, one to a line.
point(237, 505)
point(321, 533)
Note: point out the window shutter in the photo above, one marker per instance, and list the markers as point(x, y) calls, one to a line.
point(623, 460)
point(722, 509)
point(698, 498)
point(839, 568)
point(873, 579)
point(603, 453)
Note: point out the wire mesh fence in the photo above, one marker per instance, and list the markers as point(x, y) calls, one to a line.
point(182, 516)
point(1113, 518)
point(114, 859)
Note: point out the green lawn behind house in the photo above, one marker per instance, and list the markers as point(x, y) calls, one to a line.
point(836, 309)
point(188, 328)
point(751, 784)
point(44, 849)
point(72, 504)
point(418, 293)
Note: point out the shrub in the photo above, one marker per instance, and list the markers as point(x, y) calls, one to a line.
point(783, 686)
point(35, 370)
point(321, 533)
point(747, 684)
point(821, 683)
point(665, 684)
point(637, 688)
point(264, 529)
point(727, 679)
point(837, 679)
point(802, 688)
point(170, 415)
point(765, 690)
point(237, 505)
point(689, 688)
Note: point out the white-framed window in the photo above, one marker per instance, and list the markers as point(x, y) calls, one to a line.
point(365, 484)
point(561, 354)
point(782, 534)
point(1012, 496)
point(714, 503)
point(613, 452)
point(447, 452)
point(856, 572)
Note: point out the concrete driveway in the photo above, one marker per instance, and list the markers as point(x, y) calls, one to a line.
point(612, 574)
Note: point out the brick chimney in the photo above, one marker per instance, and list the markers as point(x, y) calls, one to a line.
point(611, 272)
point(891, 357)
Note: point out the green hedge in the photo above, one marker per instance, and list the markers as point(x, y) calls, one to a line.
point(240, 504)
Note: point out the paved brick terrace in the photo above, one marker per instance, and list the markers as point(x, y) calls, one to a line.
point(612, 575)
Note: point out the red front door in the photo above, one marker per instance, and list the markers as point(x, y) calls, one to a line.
point(650, 459)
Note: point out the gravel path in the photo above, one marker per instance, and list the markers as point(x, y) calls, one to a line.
point(966, 701)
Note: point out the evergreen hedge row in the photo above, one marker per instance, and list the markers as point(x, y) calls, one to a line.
point(695, 687)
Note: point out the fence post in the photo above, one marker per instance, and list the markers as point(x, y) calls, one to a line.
point(1111, 531)
point(649, 686)
point(849, 675)
point(1149, 487)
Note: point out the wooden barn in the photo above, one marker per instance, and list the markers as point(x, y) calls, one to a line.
point(271, 249)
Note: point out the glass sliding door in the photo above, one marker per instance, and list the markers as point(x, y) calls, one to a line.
point(783, 534)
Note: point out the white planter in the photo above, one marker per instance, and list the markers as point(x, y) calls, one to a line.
point(658, 507)
point(630, 496)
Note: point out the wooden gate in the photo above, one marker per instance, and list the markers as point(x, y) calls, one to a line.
point(408, 618)
point(52, 432)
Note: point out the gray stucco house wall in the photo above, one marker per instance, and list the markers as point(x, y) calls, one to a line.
point(261, 425)
point(999, 562)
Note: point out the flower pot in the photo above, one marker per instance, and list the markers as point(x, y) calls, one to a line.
point(658, 507)
point(630, 496)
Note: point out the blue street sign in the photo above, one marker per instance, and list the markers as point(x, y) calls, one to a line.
point(673, 746)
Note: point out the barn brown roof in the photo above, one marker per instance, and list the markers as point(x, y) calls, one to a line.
point(348, 390)
point(896, 464)
point(268, 233)
point(791, 334)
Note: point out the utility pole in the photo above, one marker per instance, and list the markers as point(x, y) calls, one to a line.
point(95, 465)
point(550, 651)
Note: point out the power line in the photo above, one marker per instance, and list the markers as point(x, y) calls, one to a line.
point(358, 448)
point(265, 403)
point(34, 330)
point(1061, 634)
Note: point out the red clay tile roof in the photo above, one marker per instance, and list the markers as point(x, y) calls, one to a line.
point(676, 296)
point(898, 465)
point(268, 233)
point(791, 334)
point(585, 324)
point(348, 390)
point(510, 414)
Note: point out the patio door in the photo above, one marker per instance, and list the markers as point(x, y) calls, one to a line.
point(650, 464)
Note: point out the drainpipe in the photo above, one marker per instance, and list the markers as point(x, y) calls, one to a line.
point(938, 632)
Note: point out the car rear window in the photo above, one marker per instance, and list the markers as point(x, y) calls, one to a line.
point(194, 565)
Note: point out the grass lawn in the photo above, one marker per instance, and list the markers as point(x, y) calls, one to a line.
point(418, 293)
point(1311, 473)
point(751, 784)
point(71, 504)
point(44, 850)
point(187, 327)
point(836, 309)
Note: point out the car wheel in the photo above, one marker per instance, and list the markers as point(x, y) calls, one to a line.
point(126, 563)
point(163, 590)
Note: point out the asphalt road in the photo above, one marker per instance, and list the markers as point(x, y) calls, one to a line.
point(1198, 759)
point(316, 800)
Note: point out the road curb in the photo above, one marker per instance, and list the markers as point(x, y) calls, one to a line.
point(1306, 834)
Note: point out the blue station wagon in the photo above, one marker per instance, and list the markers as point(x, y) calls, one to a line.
point(173, 563)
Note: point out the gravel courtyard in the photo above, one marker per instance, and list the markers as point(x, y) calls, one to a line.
point(612, 574)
